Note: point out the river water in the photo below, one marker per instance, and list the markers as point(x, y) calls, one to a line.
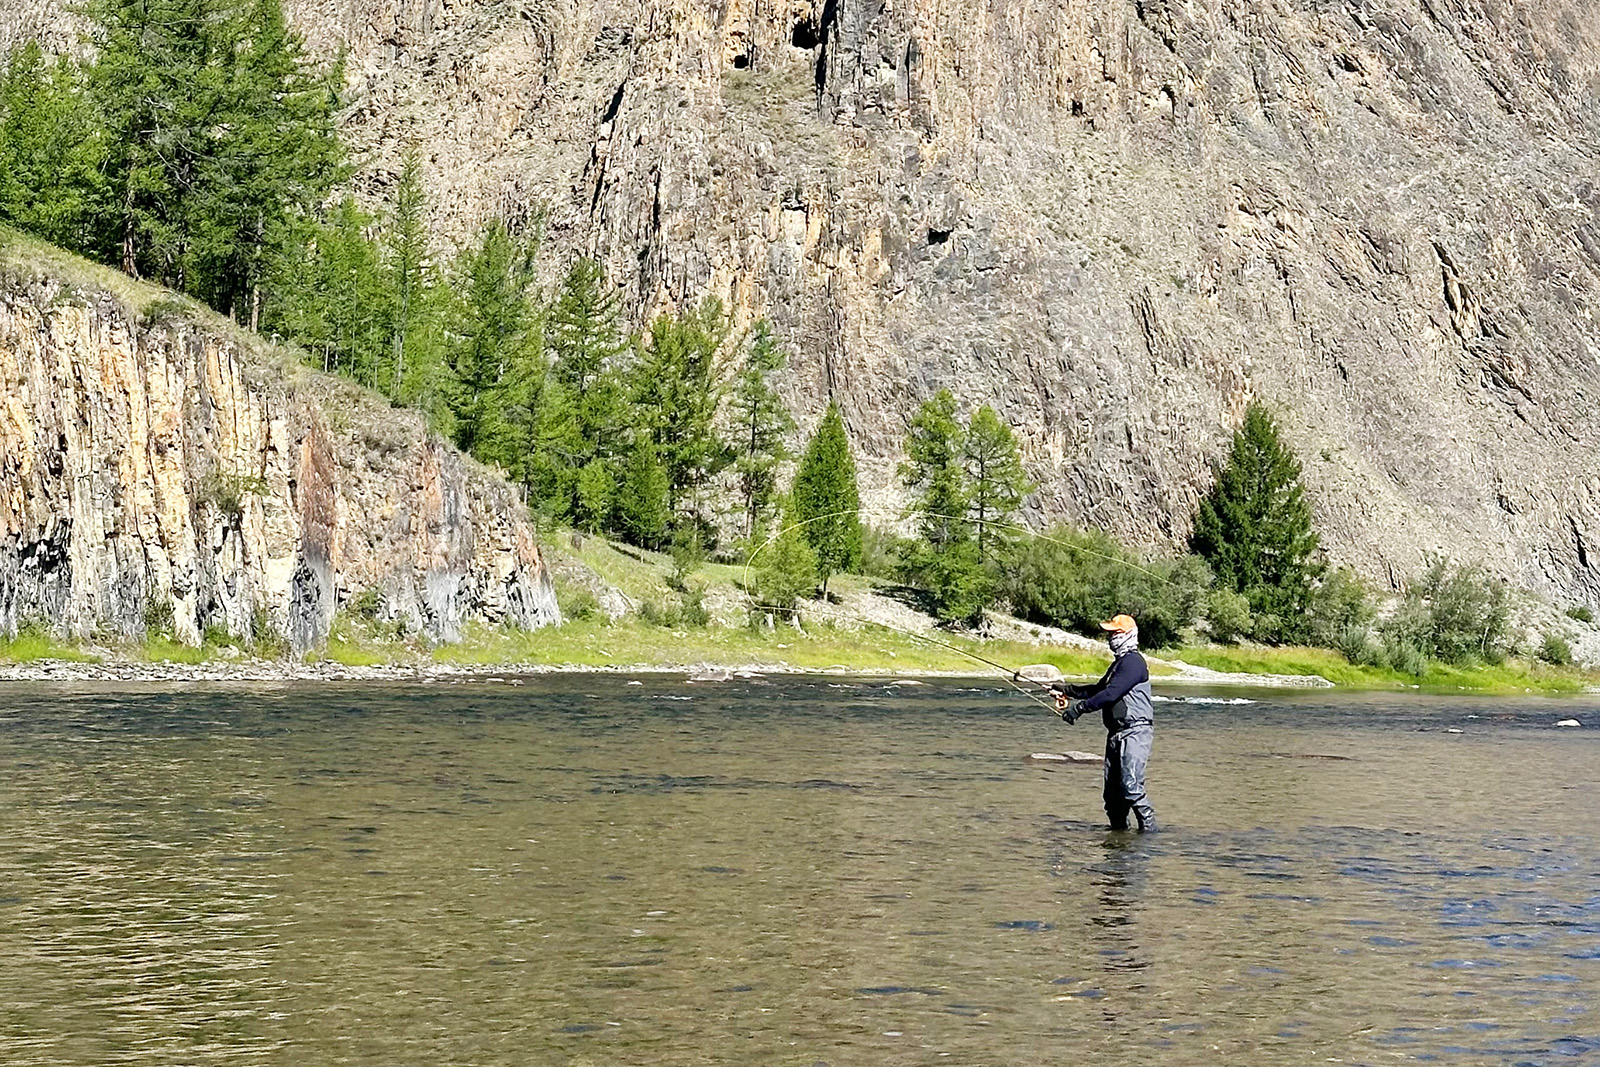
point(583, 871)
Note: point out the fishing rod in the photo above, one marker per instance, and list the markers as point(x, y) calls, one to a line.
point(1061, 703)
point(1011, 676)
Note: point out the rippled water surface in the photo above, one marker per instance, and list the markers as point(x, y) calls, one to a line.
point(586, 871)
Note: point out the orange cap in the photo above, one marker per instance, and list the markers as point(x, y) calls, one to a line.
point(1119, 624)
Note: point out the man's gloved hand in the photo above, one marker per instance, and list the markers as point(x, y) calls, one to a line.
point(1064, 706)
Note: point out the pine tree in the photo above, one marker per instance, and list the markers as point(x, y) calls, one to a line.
point(50, 150)
point(826, 500)
point(944, 559)
point(1254, 529)
point(995, 476)
point(270, 156)
point(761, 422)
point(789, 569)
point(676, 393)
point(644, 513)
point(494, 336)
point(406, 248)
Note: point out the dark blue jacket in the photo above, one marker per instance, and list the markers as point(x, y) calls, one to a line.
point(1121, 696)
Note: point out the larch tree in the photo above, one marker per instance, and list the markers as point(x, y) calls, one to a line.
point(826, 500)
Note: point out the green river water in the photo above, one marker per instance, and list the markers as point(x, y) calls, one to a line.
point(583, 871)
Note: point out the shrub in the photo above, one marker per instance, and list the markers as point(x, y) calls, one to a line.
point(1076, 578)
point(1228, 614)
point(217, 636)
point(577, 604)
point(227, 492)
point(688, 554)
point(692, 608)
point(1339, 603)
point(265, 640)
point(1580, 612)
point(958, 585)
point(367, 603)
point(1355, 643)
point(881, 551)
point(788, 572)
point(1555, 650)
point(1406, 658)
point(1454, 614)
point(159, 620)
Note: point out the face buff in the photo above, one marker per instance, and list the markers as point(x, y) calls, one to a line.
point(1123, 643)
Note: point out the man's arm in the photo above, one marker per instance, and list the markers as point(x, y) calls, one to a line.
point(1078, 692)
point(1118, 683)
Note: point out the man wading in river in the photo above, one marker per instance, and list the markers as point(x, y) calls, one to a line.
point(1122, 697)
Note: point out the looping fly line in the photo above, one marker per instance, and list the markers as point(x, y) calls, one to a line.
point(1009, 674)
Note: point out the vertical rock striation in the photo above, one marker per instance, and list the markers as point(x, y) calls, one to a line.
point(162, 462)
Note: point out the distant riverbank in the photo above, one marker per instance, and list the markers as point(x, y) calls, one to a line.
point(630, 646)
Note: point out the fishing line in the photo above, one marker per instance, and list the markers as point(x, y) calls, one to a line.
point(774, 538)
point(1006, 673)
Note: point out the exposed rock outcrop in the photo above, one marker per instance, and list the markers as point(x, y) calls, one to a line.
point(1117, 220)
point(159, 465)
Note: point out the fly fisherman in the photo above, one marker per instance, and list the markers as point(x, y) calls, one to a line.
point(1122, 697)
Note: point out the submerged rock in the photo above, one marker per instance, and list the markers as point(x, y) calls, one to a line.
point(1569, 722)
point(1056, 759)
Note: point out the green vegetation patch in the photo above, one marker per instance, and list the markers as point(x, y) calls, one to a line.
point(157, 649)
point(32, 644)
point(1511, 676)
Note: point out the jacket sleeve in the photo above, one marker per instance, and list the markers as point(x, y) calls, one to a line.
point(1078, 692)
point(1118, 683)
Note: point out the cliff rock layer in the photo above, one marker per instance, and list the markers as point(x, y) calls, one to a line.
point(157, 466)
point(1119, 221)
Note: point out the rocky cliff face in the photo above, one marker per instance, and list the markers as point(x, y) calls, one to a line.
point(1119, 221)
point(156, 462)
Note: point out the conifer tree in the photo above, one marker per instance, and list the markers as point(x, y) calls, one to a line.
point(270, 155)
point(676, 394)
point(587, 344)
point(789, 568)
point(1254, 529)
point(944, 558)
point(153, 84)
point(933, 472)
point(644, 513)
point(995, 477)
point(218, 136)
point(329, 295)
point(761, 421)
point(826, 500)
point(406, 245)
point(50, 150)
point(495, 340)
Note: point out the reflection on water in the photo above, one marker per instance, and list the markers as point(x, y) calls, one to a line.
point(582, 871)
